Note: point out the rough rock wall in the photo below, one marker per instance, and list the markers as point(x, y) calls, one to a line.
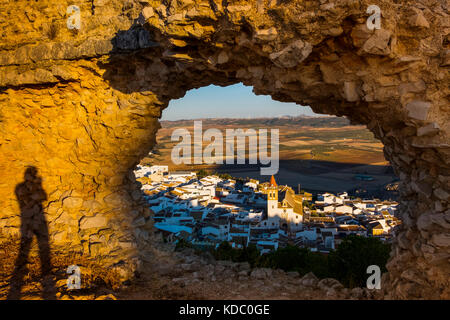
point(82, 105)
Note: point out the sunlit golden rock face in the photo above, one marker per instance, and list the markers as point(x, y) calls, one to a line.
point(82, 106)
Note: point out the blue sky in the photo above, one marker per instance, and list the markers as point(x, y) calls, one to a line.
point(236, 101)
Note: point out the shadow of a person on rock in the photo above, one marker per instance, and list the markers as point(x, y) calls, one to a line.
point(30, 195)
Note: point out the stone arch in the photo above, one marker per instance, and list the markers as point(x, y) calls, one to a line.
point(83, 106)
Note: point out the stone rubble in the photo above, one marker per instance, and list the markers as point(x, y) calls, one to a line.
point(228, 280)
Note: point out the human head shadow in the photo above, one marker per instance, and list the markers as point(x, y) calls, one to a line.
point(30, 196)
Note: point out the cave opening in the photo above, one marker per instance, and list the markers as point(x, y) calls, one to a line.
point(318, 154)
point(83, 108)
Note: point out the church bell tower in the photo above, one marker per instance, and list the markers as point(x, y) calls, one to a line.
point(272, 198)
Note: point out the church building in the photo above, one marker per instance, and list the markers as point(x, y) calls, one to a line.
point(284, 208)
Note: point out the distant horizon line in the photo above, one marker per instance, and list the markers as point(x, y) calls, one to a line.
point(255, 118)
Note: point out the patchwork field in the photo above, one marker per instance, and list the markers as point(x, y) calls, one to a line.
point(320, 153)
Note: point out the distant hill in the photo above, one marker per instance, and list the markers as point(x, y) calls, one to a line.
point(320, 153)
point(315, 122)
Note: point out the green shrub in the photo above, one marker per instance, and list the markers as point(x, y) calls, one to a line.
point(181, 244)
point(348, 263)
point(202, 173)
point(292, 258)
point(248, 254)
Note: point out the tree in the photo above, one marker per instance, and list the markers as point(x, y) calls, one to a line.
point(224, 176)
point(349, 262)
point(308, 205)
point(202, 173)
point(293, 258)
point(224, 251)
point(248, 254)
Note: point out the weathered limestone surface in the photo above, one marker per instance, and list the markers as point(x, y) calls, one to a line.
point(83, 106)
